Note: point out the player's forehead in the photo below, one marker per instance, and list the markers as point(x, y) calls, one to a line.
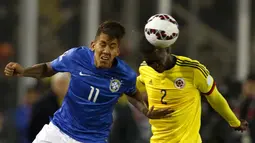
point(104, 38)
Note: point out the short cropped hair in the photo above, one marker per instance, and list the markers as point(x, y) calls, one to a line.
point(112, 28)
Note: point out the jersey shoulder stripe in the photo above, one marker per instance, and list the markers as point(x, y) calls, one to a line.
point(193, 64)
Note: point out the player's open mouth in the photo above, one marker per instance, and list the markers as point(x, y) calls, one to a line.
point(105, 58)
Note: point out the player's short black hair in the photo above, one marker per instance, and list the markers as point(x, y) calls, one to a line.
point(112, 28)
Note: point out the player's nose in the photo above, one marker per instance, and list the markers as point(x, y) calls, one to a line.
point(107, 50)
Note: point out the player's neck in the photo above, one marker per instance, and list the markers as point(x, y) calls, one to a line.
point(170, 62)
point(163, 66)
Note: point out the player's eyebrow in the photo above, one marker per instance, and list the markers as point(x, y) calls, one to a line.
point(113, 43)
point(102, 41)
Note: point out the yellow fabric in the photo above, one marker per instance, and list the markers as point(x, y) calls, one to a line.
point(123, 100)
point(178, 88)
point(219, 104)
point(60, 101)
point(140, 84)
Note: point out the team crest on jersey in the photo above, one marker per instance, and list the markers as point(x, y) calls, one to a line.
point(114, 85)
point(179, 83)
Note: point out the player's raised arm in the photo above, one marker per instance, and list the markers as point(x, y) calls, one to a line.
point(61, 64)
point(206, 85)
point(36, 71)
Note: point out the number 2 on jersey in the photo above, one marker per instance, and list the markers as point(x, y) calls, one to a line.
point(92, 92)
point(163, 91)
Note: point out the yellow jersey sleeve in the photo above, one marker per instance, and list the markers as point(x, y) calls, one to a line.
point(219, 104)
point(140, 84)
point(203, 80)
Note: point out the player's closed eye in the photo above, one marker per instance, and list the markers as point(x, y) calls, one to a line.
point(113, 46)
point(102, 44)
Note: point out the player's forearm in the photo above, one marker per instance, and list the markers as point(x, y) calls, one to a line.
point(219, 104)
point(38, 71)
point(138, 105)
point(137, 101)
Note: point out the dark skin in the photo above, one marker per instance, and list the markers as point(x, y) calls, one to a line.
point(105, 50)
point(161, 60)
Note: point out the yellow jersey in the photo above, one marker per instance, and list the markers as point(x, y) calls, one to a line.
point(178, 88)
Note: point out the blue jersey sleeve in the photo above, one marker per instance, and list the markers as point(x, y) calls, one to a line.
point(64, 63)
point(131, 89)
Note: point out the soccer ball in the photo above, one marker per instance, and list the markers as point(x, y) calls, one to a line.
point(161, 30)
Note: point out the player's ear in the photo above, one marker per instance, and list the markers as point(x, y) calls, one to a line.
point(92, 45)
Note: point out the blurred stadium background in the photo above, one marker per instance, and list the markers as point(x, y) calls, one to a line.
point(219, 33)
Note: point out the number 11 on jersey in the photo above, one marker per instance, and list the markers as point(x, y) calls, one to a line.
point(92, 92)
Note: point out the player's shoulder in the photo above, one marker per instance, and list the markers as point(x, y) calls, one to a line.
point(74, 51)
point(194, 65)
point(81, 50)
point(183, 59)
point(186, 61)
point(80, 53)
point(143, 64)
point(144, 68)
point(126, 70)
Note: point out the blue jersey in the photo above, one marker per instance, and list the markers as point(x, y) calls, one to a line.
point(86, 112)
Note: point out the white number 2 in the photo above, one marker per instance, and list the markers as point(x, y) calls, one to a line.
point(92, 92)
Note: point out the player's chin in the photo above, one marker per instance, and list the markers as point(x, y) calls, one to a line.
point(105, 64)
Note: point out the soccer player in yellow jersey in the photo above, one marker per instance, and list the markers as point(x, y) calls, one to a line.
point(178, 82)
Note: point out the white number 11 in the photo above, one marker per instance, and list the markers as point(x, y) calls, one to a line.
point(91, 93)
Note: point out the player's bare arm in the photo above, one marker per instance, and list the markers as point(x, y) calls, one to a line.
point(37, 71)
point(137, 100)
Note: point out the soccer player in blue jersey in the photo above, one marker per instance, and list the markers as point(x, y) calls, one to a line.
point(98, 79)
